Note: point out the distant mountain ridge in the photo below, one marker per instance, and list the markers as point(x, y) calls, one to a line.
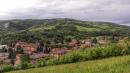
point(47, 27)
point(27, 23)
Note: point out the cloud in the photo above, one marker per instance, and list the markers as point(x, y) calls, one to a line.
point(101, 10)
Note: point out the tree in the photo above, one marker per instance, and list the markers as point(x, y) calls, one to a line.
point(94, 41)
point(24, 61)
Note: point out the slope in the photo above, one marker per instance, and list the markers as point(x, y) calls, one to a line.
point(57, 30)
point(110, 65)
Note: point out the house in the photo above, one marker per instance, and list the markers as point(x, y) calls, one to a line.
point(3, 48)
point(27, 48)
point(6, 61)
point(44, 49)
point(56, 52)
point(102, 42)
point(17, 59)
point(32, 57)
point(85, 44)
point(4, 58)
point(74, 43)
point(82, 46)
point(36, 56)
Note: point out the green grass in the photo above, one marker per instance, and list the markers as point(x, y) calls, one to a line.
point(41, 28)
point(81, 28)
point(110, 65)
point(108, 27)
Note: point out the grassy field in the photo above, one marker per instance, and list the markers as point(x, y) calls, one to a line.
point(110, 65)
point(81, 28)
point(41, 28)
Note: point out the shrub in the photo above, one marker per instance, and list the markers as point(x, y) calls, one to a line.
point(6, 68)
point(40, 63)
point(24, 65)
point(24, 62)
point(89, 54)
point(124, 46)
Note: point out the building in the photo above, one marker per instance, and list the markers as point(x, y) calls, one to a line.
point(3, 48)
point(74, 43)
point(102, 42)
point(36, 56)
point(17, 59)
point(27, 48)
point(85, 44)
point(32, 57)
point(4, 58)
point(56, 52)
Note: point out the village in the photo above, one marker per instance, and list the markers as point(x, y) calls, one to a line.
point(11, 54)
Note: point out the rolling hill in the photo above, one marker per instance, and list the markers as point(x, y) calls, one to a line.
point(110, 65)
point(18, 25)
point(34, 30)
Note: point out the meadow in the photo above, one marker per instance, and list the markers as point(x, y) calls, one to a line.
point(119, 64)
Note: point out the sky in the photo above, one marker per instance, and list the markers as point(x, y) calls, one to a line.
point(117, 11)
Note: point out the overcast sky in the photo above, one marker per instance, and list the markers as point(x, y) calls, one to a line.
point(95, 10)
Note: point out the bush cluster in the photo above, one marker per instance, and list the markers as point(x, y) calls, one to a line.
point(89, 54)
point(6, 68)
